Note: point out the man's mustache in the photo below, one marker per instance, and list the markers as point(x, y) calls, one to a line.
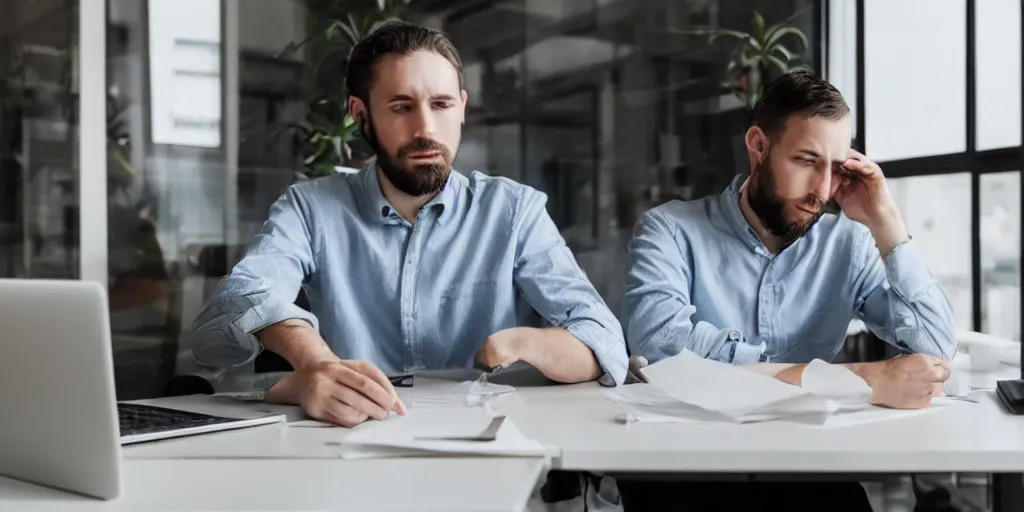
point(423, 145)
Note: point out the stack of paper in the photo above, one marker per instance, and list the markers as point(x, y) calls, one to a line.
point(404, 436)
point(689, 387)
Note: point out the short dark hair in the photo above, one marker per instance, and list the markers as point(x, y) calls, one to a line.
point(799, 92)
point(398, 37)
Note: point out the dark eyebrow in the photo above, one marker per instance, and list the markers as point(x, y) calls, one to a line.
point(406, 97)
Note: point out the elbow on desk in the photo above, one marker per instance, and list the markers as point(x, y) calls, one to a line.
point(220, 348)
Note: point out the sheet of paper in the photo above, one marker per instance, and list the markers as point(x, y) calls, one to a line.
point(728, 389)
point(834, 381)
point(839, 419)
point(398, 436)
point(648, 401)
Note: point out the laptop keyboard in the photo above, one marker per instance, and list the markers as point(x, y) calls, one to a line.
point(147, 419)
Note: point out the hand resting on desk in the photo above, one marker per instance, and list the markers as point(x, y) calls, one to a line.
point(904, 382)
point(344, 392)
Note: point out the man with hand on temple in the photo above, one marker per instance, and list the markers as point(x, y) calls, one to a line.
point(761, 274)
point(407, 264)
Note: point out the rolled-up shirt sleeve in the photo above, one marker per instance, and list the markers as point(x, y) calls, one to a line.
point(554, 284)
point(261, 289)
point(657, 308)
point(901, 301)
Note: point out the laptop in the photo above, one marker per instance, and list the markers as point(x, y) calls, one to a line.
point(60, 422)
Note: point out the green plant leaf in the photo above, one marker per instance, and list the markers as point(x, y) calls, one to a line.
point(758, 23)
point(382, 5)
point(784, 52)
point(781, 32)
point(778, 63)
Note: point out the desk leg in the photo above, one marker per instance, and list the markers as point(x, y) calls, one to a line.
point(1007, 492)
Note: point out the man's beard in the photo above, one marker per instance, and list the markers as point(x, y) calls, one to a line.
point(771, 210)
point(420, 179)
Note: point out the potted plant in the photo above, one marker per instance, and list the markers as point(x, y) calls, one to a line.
point(755, 56)
point(328, 138)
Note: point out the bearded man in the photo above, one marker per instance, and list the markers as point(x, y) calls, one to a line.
point(408, 264)
point(774, 269)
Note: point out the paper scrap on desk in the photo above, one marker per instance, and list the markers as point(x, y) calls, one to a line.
point(397, 436)
point(429, 394)
point(699, 389)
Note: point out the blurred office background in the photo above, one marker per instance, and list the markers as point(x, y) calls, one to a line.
point(210, 108)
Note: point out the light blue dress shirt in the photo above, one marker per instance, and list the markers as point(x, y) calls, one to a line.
point(700, 279)
point(482, 256)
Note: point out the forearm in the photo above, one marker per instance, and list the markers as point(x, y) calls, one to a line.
point(888, 230)
point(297, 342)
point(558, 354)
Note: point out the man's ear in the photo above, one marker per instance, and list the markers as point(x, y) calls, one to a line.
point(357, 109)
point(757, 144)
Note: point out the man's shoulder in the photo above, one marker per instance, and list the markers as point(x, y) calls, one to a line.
point(687, 215)
point(490, 187)
point(338, 188)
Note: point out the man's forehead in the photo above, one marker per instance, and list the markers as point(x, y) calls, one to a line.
point(818, 134)
point(420, 74)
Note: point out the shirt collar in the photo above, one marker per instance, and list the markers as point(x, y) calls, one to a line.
point(380, 209)
point(729, 202)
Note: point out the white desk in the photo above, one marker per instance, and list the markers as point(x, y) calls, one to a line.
point(578, 424)
point(324, 484)
point(278, 467)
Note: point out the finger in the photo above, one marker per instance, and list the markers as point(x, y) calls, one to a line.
point(357, 401)
point(485, 357)
point(333, 411)
point(853, 154)
point(939, 373)
point(369, 388)
point(344, 415)
point(859, 169)
point(938, 390)
point(382, 380)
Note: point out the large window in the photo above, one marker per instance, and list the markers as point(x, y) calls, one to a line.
point(998, 54)
point(942, 117)
point(914, 77)
point(1000, 254)
point(943, 235)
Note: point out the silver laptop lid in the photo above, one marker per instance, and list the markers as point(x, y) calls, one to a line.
point(57, 398)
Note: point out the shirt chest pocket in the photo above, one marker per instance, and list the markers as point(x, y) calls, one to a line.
point(469, 295)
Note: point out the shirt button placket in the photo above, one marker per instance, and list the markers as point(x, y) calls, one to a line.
point(409, 299)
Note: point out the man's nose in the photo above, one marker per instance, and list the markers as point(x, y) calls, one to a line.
point(425, 124)
point(823, 185)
